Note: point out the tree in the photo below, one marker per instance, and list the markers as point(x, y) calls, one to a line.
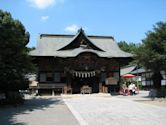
point(131, 47)
point(14, 59)
point(152, 53)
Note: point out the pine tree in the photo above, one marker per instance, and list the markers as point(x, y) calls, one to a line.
point(14, 59)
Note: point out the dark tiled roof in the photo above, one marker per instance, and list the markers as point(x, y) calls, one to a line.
point(49, 45)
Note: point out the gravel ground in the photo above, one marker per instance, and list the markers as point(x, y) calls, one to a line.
point(115, 110)
point(38, 111)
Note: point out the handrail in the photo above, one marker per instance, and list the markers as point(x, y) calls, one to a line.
point(51, 85)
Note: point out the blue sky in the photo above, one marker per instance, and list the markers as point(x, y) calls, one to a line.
point(126, 20)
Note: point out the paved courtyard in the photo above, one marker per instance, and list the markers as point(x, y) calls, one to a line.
point(93, 110)
point(38, 111)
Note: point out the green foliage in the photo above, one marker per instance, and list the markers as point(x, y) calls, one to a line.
point(131, 47)
point(32, 48)
point(14, 59)
point(13, 97)
point(152, 53)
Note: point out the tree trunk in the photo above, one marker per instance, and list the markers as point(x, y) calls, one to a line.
point(157, 77)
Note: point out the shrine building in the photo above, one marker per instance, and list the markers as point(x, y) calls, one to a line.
point(69, 63)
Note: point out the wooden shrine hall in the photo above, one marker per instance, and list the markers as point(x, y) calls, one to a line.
point(78, 63)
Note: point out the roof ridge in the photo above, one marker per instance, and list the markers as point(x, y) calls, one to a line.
point(69, 35)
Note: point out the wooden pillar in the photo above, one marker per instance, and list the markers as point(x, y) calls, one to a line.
point(53, 93)
point(67, 86)
point(65, 89)
point(100, 87)
point(103, 89)
point(106, 89)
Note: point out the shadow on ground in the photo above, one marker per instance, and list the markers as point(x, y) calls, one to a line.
point(8, 113)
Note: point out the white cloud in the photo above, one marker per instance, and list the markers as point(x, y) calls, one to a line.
point(72, 28)
point(43, 18)
point(42, 4)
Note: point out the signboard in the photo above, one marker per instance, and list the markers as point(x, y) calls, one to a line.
point(111, 81)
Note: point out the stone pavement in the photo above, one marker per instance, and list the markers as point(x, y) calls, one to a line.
point(89, 109)
point(107, 110)
point(38, 111)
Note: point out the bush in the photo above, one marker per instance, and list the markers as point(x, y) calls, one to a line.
point(13, 97)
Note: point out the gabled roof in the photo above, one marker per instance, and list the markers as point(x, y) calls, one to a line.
point(140, 70)
point(127, 69)
point(54, 45)
point(84, 40)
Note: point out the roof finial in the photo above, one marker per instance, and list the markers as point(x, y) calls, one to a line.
point(80, 30)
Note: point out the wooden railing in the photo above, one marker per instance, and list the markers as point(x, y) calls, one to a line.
point(50, 85)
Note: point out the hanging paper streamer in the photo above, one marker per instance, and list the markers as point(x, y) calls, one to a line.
point(83, 74)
